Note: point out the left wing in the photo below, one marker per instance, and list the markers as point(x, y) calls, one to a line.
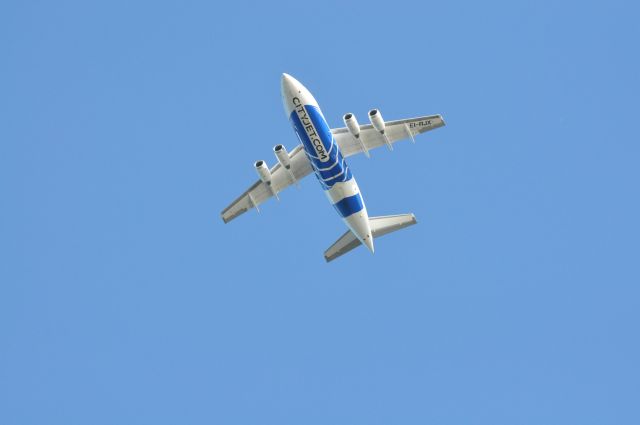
point(370, 138)
point(259, 192)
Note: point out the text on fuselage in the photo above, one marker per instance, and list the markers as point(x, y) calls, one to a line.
point(310, 130)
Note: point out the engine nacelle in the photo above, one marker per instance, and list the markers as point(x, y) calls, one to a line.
point(352, 124)
point(263, 171)
point(376, 120)
point(282, 155)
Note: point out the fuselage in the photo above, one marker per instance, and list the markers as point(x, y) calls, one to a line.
point(325, 157)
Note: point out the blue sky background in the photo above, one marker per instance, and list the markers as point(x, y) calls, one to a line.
point(126, 127)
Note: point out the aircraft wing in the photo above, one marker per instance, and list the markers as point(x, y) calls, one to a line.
point(281, 178)
point(394, 131)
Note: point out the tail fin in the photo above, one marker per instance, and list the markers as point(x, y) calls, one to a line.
point(379, 226)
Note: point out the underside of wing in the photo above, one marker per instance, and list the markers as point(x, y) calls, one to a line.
point(281, 178)
point(392, 131)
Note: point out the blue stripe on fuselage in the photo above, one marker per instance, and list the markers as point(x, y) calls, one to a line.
point(337, 171)
point(349, 205)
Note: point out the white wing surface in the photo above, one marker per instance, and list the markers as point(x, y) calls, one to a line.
point(394, 131)
point(259, 192)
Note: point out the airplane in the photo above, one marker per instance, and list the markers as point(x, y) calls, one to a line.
point(323, 150)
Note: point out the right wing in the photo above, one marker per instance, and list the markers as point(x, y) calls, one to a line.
point(281, 178)
point(394, 131)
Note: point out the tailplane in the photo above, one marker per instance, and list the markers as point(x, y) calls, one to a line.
point(379, 226)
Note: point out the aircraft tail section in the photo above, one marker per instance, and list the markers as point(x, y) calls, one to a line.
point(379, 226)
point(390, 223)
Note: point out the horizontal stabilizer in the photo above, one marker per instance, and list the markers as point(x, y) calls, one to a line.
point(390, 223)
point(379, 226)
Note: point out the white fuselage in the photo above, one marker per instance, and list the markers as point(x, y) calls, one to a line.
point(325, 157)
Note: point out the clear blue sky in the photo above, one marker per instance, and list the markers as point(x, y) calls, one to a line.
point(126, 127)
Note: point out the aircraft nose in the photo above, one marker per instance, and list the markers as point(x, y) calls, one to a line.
point(292, 88)
point(286, 81)
point(288, 90)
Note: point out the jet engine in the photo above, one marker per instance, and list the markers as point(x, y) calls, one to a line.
point(263, 171)
point(282, 155)
point(378, 123)
point(376, 120)
point(352, 124)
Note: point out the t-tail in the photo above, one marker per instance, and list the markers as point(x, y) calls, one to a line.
point(380, 226)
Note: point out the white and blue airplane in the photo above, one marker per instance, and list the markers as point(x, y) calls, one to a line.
point(323, 150)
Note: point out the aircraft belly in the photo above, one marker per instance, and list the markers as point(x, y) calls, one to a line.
point(331, 169)
point(342, 190)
